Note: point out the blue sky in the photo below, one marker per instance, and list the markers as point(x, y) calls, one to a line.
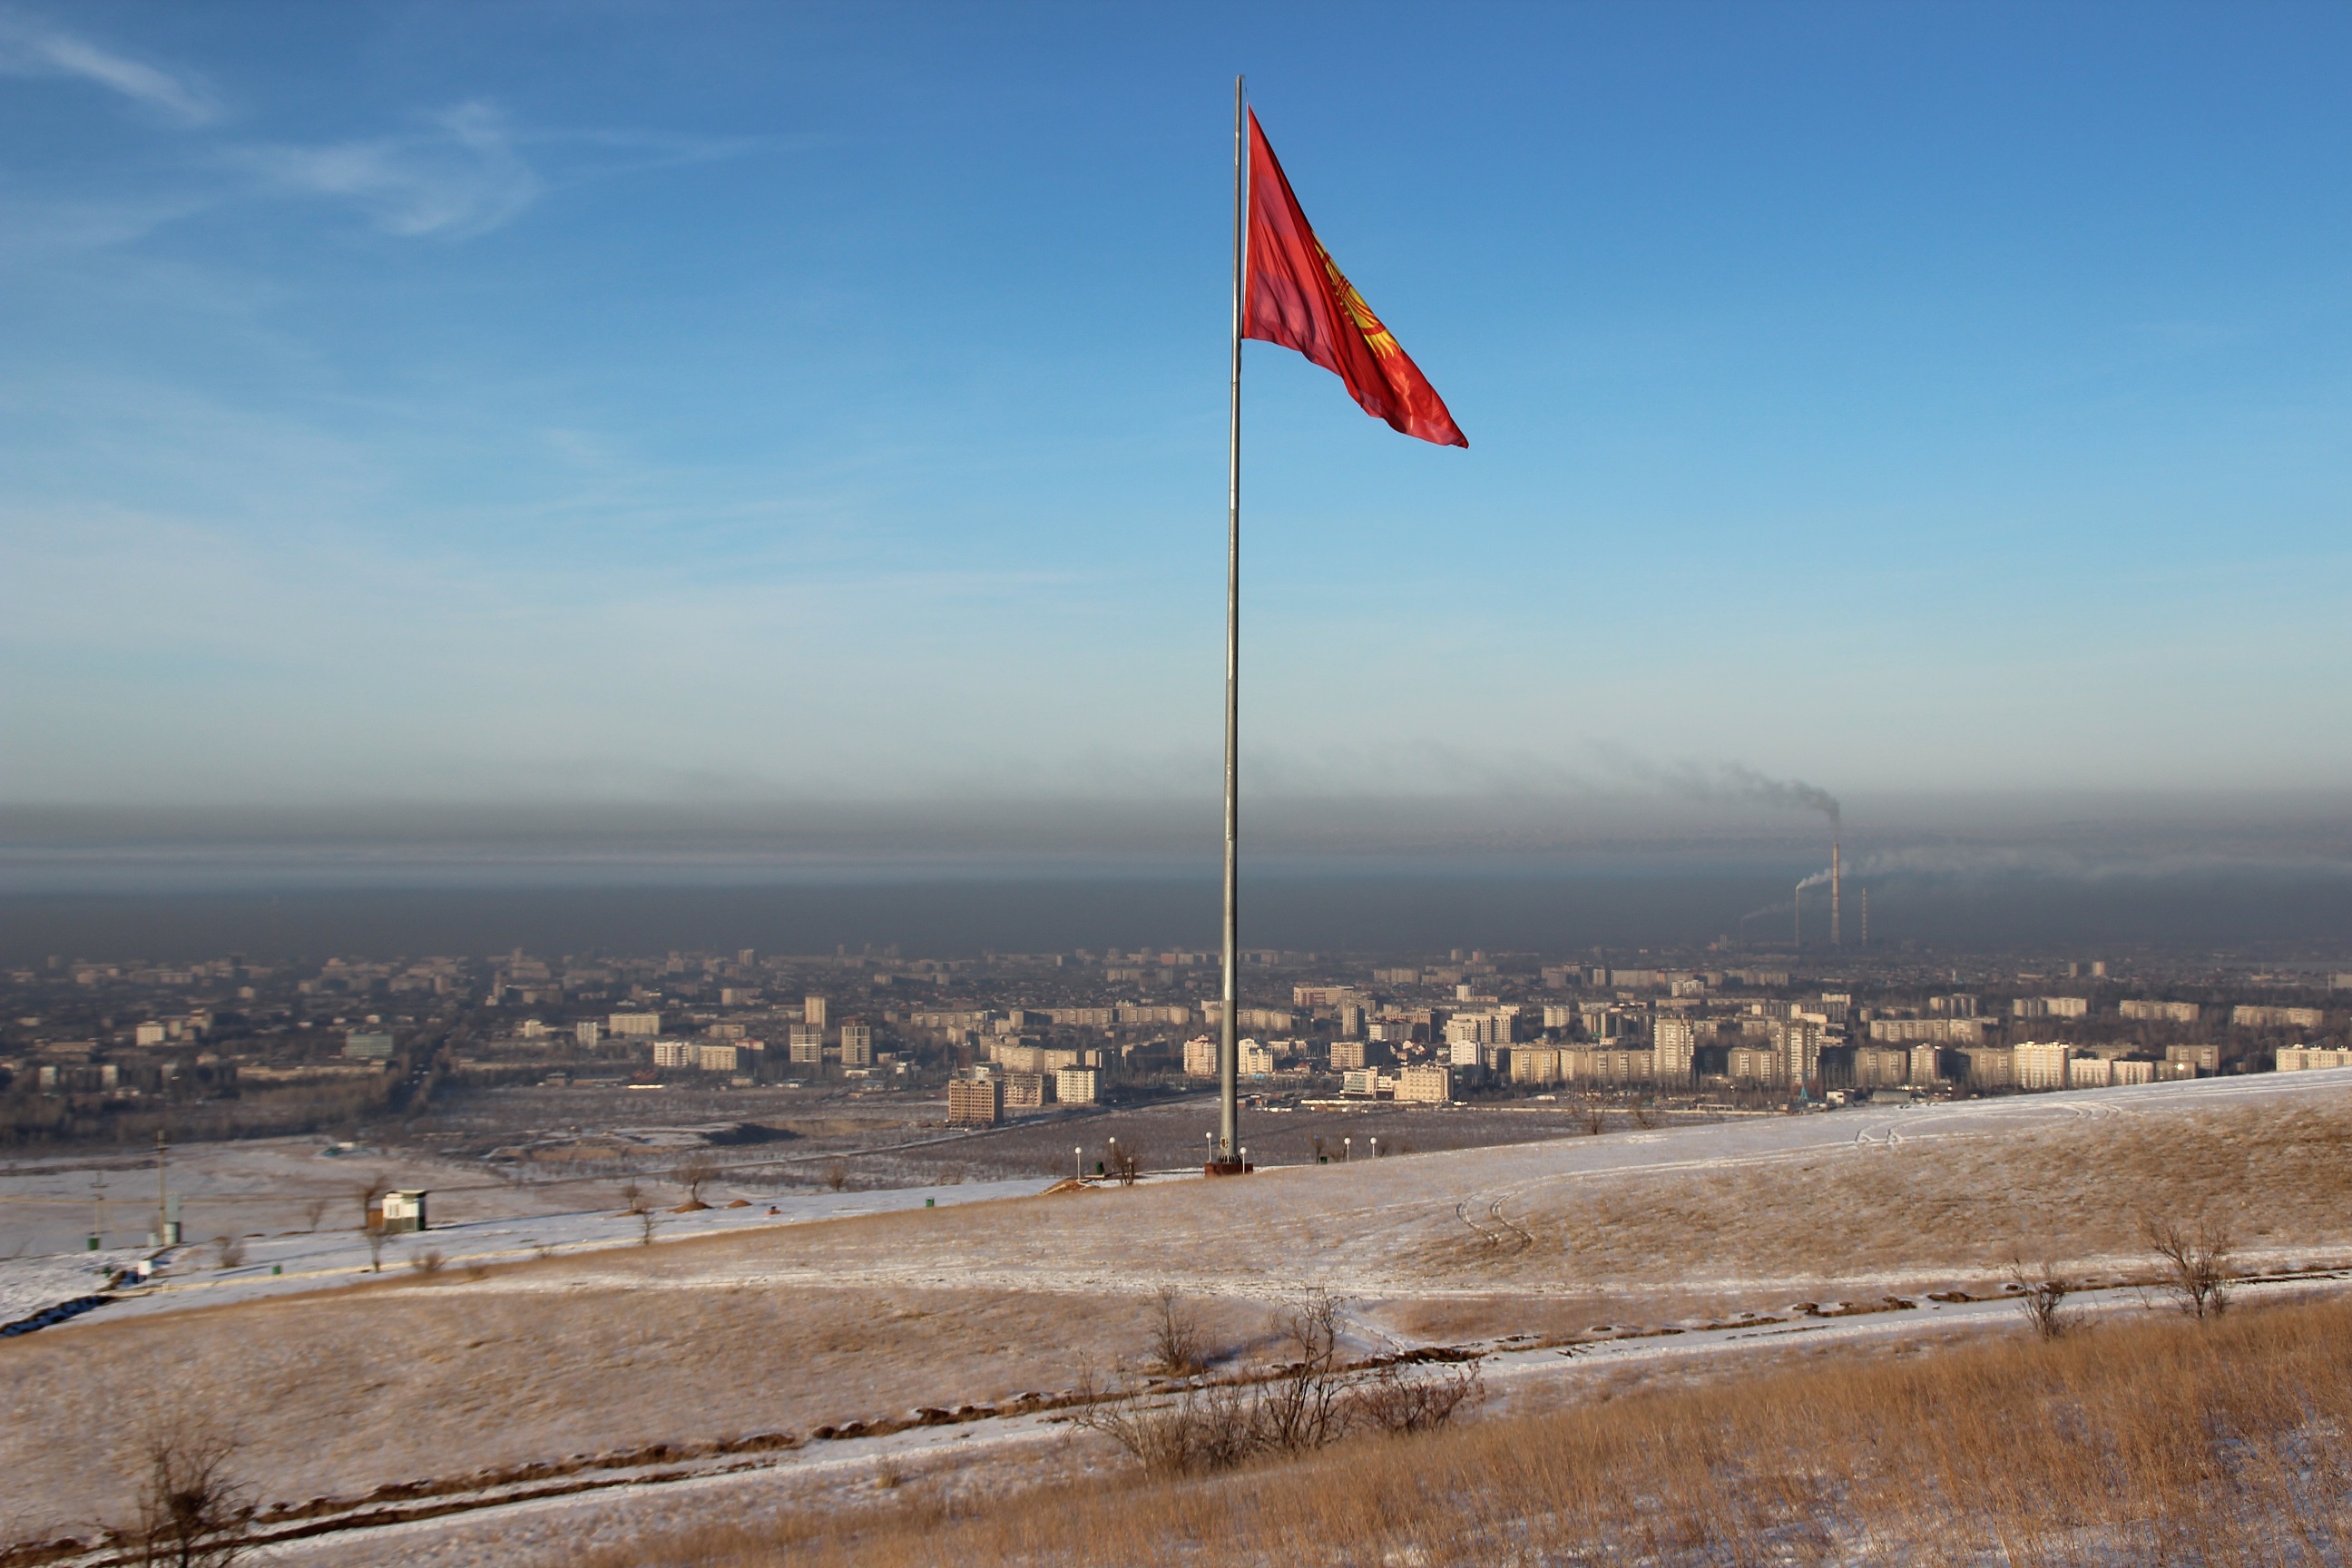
point(722, 403)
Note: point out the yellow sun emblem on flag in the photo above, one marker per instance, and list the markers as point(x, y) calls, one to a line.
point(1366, 323)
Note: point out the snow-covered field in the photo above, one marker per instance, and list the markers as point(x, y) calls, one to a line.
point(859, 1307)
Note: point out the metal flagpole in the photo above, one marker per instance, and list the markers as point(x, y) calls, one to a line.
point(1228, 1050)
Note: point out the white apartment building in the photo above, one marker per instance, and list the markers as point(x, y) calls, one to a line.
point(674, 1053)
point(2142, 1011)
point(2049, 1006)
point(587, 1032)
point(1425, 1085)
point(1200, 1057)
point(2245, 1017)
point(2039, 1065)
point(856, 1043)
point(2312, 1058)
point(639, 1023)
point(717, 1059)
point(1077, 1086)
point(1255, 1059)
point(805, 1044)
point(814, 1010)
point(1674, 1044)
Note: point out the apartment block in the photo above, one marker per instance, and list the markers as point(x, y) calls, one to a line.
point(674, 1053)
point(2245, 1017)
point(1200, 1057)
point(717, 1058)
point(975, 1102)
point(2049, 1006)
point(642, 1024)
point(1674, 1046)
point(1078, 1086)
point(1425, 1085)
point(2312, 1058)
point(856, 1043)
point(2038, 1064)
point(805, 1044)
point(2141, 1011)
point(1537, 1065)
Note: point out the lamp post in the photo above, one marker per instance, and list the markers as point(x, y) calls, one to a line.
point(1376, 1145)
point(1079, 1162)
point(1347, 1148)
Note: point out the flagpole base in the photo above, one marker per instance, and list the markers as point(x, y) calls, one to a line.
point(1226, 1168)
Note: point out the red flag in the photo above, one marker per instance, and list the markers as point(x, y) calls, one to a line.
point(1294, 295)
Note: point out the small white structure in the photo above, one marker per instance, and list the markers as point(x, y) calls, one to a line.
point(404, 1210)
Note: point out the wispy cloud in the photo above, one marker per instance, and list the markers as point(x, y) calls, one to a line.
point(462, 176)
point(29, 48)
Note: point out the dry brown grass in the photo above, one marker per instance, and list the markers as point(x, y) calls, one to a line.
point(337, 1392)
point(2159, 1440)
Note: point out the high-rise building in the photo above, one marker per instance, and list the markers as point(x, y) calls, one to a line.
point(1799, 1041)
point(587, 1032)
point(805, 1044)
point(1675, 1045)
point(856, 1043)
point(640, 1024)
point(1424, 1084)
point(1077, 1086)
point(813, 1011)
point(1200, 1057)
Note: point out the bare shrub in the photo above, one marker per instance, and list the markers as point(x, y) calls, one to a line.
point(2195, 1264)
point(192, 1508)
point(231, 1250)
point(1175, 1336)
point(375, 1236)
point(2042, 1296)
point(1646, 1115)
point(836, 1174)
point(1596, 1118)
point(314, 1211)
point(633, 1196)
point(695, 1171)
point(370, 1193)
point(646, 1221)
point(1311, 1401)
point(476, 1270)
point(429, 1261)
point(1126, 1165)
point(1396, 1400)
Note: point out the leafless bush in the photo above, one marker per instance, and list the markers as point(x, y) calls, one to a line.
point(1596, 1118)
point(633, 1196)
point(476, 1270)
point(1646, 1115)
point(192, 1508)
point(231, 1250)
point(1126, 1165)
point(314, 1211)
point(2196, 1264)
point(1313, 1400)
point(2042, 1296)
point(1397, 1401)
point(1175, 1336)
point(646, 1221)
point(371, 1194)
point(375, 1236)
point(695, 1173)
point(427, 1261)
point(836, 1174)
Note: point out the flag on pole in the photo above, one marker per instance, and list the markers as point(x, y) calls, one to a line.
point(1296, 296)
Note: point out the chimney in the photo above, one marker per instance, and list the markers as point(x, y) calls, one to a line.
point(1797, 908)
point(1834, 941)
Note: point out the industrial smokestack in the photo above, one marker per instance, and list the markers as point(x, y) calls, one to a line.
point(1834, 939)
point(1797, 911)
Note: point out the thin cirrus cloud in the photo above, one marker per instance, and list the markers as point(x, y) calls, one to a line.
point(29, 49)
point(460, 177)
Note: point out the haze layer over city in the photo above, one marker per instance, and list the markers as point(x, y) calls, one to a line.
point(746, 822)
